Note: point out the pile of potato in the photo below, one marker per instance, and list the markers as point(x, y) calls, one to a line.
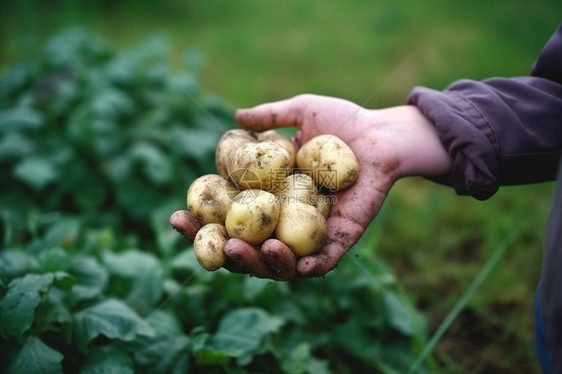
point(264, 189)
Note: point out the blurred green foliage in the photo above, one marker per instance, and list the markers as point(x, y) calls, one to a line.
point(107, 137)
point(270, 50)
point(97, 149)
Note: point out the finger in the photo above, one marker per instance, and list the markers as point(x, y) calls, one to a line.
point(267, 116)
point(280, 259)
point(185, 223)
point(243, 258)
point(337, 244)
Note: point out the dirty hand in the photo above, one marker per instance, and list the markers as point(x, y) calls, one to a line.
point(388, 143)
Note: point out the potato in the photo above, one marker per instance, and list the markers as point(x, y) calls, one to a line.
point(209, 197)
point(259, 165)
point(274, 136)
point(302, 228)
point(323, 203)
point(252, 216)
point(329, 161)
point(301, 188)
point(273, 201)
point(229, 142)
point(233, 139)
point(296, 188)
point(209, 246)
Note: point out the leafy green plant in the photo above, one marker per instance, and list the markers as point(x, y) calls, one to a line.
point(97, 149)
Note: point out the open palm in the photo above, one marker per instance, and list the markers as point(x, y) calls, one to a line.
point(388, 144)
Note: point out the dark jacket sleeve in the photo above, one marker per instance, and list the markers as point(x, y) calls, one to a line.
point(500, 131)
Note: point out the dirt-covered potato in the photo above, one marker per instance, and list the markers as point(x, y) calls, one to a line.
point(329, 161)
point(209, 197)
point(323, 203)
point(259, 195)
point(302, 228)
point(296, 188)
point(229, 142)
point(259, 165)
point(209, 246)
point(285, 142)
point(252, 216)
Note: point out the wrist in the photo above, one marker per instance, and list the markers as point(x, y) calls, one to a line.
point(417, 147)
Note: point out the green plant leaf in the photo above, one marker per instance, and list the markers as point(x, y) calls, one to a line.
point(165, 236)
point(253, 287)
point(88, 189)
point(54, 259)
point(185, 262)
point(155, 163)
point(78, 123)
point(138, 278)
point(400, 317)
point(111, 103)
point(317, 366)
point(36, 172)
point(67, 92)
point(119, 168)
point(138, 198)
point(168, 351)
point(14, 145)
point(108, 360)
point(75, 47)
point(64, 280)
point(204, 354)
point(194, 143)
point(353, 337)
point(17, 308)
point(15, 263)
point(129, 263)
point(63, 233)
point(89, 272)
point(146, 291)
point(242, 331)
point(16, 78)
point(111, 318)
point(20, 118)
point(54, 315)
point(36, 357)
point(295, 363)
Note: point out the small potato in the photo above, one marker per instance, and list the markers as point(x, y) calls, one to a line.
point(228, 143)
point(285, 142)
point(302, 228)
point(296, 188)
point(252, 216)
point(323, 203)
point(259, 165)
point(329, 161)
point(209, 197)
point(209, 246)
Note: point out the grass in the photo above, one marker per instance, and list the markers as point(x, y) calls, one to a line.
point(437, 242)
point(463, 300)
point(265, 51)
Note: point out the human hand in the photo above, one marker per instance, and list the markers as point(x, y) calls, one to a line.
point(388, 143)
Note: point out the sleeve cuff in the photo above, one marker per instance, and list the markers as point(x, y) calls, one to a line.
point(468, 138)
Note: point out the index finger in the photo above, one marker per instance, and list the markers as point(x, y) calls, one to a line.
point(285, 113)
point(185, 223)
